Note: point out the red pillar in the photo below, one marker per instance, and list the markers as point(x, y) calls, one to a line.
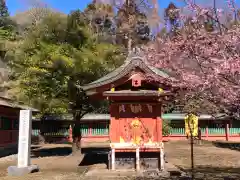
point(227, 130)
point(114, 130)
point(159, 129)
point(70, 139)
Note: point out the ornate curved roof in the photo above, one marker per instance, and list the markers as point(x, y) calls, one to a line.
point(135, 59)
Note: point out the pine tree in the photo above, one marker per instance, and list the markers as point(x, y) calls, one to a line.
point(132, 23)
point(7, 25)
point(115, 23)
point(3, 9)
point(100, 19)
point(171, 16)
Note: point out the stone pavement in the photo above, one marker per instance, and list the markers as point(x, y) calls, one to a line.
point(170, 170)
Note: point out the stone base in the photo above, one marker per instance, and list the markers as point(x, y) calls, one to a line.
point(20, 171)
point(126, 173)
point(127, 160)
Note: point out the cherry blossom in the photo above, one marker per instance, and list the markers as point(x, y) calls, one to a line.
point(204, 63)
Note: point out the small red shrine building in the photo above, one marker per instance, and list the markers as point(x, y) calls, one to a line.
point(135, 108)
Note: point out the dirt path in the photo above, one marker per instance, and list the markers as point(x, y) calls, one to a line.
point(60, 166)
point(204, 155)
point(56, 163)
point(208, 159)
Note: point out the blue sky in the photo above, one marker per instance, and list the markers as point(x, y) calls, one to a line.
point(68, 5)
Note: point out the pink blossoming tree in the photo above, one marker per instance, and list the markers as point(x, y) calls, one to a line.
point(206, 64)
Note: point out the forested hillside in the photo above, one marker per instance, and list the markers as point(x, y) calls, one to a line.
point(46, 53)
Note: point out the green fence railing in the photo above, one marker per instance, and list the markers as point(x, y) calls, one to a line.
point(53, 132)
point(234, 131)
point(212, 131)
point(177, 131)
point(102, 129)
point(57, 132)
point(203, 131)
point(35, 132)
point(85, 129)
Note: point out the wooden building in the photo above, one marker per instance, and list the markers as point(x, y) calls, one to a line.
point(9, 121)
point(95, 127)
point(55, 128)
point(217, 127)
point(135, 95)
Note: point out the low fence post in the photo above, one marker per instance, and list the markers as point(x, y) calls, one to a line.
point(206, 132)
point(227, 130)
point(90, 130)
point(70, 134)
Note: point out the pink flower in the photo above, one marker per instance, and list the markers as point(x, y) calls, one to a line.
point(204, 63)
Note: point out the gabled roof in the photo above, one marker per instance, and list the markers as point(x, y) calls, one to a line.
point(135, 59)
point(13, 104)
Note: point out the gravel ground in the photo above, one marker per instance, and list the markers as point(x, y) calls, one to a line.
point(56, 164)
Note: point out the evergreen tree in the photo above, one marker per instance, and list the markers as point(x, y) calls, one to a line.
point(114, 23)
point(4, 15)
point(56, 55)
point(132, 23)
point(171, 16)
point(3, 9)
point(100, 18)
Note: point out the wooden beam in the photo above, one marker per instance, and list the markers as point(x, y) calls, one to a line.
point(161, 159)
point(159, 129)
point(113, 159)
point(138, 159)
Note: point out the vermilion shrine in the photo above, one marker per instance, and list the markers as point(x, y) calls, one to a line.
point(135, 108)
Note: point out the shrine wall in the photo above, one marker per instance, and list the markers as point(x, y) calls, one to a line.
point(135, 122)
point(131, 110)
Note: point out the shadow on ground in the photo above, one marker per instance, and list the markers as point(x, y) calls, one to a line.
point(218, 173)
point(93, 159)
point(65, 151)
point(46, 152)
point(95, 150)
point(229, 145)
point(12, 150)
point(203, 173)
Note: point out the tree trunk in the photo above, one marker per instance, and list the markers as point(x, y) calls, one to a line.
point(191, 145)
point(76, 145)
point(192, 156)
point(41, 138)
